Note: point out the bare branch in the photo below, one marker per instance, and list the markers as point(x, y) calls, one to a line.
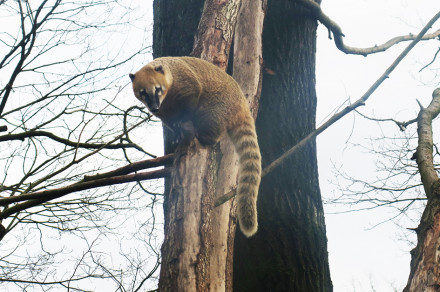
point(98, 179)
point(26, 45)
point(163, 160)
point(338, 35)
point(31, 134)
point(35, 199)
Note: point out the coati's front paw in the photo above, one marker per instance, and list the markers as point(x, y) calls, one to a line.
point(183, 131)
point(176, 139)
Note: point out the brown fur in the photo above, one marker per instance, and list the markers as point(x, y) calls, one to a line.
point(190, 89)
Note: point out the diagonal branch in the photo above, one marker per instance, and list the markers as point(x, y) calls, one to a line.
point(361, 101)
point(150, 163)
point(37, 198)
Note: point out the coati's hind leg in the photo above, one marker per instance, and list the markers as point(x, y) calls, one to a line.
point(208, 128)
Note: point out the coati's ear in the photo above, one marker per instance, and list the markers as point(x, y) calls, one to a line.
point(159, 68)
point(131, 77)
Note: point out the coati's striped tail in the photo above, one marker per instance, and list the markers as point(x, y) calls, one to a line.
point(244, 138)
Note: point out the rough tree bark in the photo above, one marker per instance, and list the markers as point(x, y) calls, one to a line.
point(425, 257)
point(248, 51)
point(289, 252)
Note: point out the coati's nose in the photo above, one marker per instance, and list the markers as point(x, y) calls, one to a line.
point(154, 110)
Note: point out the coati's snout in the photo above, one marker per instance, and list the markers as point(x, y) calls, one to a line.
point(150, 96)
point(152, 101)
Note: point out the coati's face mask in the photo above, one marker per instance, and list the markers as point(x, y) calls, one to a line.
point(149, 86)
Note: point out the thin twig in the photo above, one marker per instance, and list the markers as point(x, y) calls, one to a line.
point(430, 63)
point(402, 125)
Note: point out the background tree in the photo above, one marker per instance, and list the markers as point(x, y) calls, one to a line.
point(408, 165)
point(424, 259)
point(63, 67)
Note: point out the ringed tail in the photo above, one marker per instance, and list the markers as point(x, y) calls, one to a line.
point(244, 138)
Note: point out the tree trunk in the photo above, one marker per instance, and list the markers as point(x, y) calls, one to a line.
point(289, 252)
point(197, 250)
point(425, 258)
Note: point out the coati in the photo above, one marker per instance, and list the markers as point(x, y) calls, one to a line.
point(179, 90)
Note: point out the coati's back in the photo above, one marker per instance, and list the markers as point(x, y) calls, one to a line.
point(197, 89)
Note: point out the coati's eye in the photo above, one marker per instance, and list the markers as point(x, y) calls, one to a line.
point(158, 91)
point(143, 93)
